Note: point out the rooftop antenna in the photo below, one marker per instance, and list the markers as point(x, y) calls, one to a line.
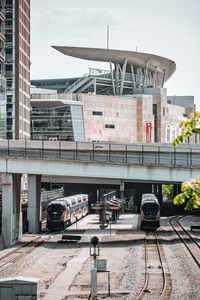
point(107, 36)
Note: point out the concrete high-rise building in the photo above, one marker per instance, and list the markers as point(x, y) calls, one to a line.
point(2, 73)
point(15, 69)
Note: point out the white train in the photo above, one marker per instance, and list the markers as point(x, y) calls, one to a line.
point(64, 211)
point(149, 212)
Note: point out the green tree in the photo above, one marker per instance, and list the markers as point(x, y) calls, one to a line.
point(190, 194)
point(190, 190)
point(188, 128)
point(168, 191)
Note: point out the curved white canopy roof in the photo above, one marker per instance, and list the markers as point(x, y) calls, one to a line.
point(161, 64)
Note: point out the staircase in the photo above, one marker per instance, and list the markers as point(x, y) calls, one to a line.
point(77, 84)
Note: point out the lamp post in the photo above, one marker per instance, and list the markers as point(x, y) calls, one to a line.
point(94, 252)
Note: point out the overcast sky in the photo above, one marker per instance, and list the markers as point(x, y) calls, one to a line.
point(169, 28)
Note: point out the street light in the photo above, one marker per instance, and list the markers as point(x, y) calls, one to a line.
point(94, 241)
point(94, 248)
point(94, 252)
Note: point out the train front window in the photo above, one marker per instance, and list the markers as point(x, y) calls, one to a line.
point(55, 211)
point(150, 209)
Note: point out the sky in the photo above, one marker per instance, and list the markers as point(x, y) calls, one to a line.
point(168, 28)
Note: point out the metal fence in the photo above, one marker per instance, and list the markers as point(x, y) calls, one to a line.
point(137, 154)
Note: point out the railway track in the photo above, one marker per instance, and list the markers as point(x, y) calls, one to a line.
point(157, 282)
point(187, 239)
point(10, 258)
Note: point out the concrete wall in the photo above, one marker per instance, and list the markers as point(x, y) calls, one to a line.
point(128, 116)
point(145, 119)
point(117, 111)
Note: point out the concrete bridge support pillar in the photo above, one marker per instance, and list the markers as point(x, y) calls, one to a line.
point(34, 203)
point(11, 208)
point(122, 194)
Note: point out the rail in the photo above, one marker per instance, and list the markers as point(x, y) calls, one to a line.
point(186, 238)
point(13, 256)
point(152, 154)
point(77, 83)
point(54, 96)
point(155, 282)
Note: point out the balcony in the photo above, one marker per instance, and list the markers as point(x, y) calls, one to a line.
point(9, 45)
point(2, 36)
point(9, 74)
point(2, 15)
point(2, 56)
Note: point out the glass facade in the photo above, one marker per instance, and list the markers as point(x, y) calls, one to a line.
point(61, 123)
point(2, 107)
point(15, 67)
point(2, 72)
point(78, 123)
point(9, 69)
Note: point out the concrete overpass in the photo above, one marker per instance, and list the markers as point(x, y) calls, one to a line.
point(89, 170)
point(83, 162)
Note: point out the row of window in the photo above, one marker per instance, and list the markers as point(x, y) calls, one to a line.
point(53, 136)
point(52, 115)
point(44, 126)
point(35, 129)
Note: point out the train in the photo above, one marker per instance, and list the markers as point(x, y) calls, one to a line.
point(64, 211)
point(149, 212)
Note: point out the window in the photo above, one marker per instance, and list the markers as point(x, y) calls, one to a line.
point(109, 126)
point(9, 2)
point(168, 135)
point(163, 111)
point(173, 134)
point(97, 113)
point(155, 122)
point(9, 135)
point(9, 98)
point(9, 121)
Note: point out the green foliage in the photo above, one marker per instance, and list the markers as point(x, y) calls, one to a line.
point(168, 190)
point(188, 128)
point(190, 194)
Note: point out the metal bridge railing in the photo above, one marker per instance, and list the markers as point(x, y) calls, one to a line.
point(146, 154)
